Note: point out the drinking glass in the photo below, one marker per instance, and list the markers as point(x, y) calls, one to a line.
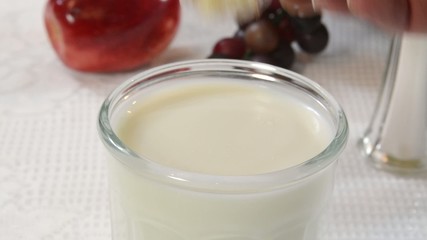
point(150, 201)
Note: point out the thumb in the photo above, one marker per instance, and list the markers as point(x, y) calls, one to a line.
point(388, 14)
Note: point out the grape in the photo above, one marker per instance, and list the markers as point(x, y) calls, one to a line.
point(286, 30)
point(230, 48)
point(269, 38)
point(274, 15)
point(315, 41)
point(283, 56)
point(261, 36)
point(275, 4)
point(307, 25)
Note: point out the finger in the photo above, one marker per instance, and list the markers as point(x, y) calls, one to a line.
point(333, 5)
point(300, 8)
point(417, 19)
point(389, 14)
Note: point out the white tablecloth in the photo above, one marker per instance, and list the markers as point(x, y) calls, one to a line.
point(52, 171)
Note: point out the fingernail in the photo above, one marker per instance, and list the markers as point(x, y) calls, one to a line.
point(318, 3)
point(313, 3)
point(300, 8)
point(333, 5)
point(349, 5)
point(315, 6)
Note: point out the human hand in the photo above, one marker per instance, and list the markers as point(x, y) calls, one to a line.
point(394, 15)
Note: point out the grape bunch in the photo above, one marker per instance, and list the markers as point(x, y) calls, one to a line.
point(269, 38)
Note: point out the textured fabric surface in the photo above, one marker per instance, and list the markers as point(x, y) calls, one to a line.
point(53, 181)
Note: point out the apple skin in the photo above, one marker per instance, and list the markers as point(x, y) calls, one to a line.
point(110, 35)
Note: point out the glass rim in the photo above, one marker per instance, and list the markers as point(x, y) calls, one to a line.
point(205, 182)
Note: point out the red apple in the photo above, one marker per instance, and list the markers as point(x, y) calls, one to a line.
point(110, 35)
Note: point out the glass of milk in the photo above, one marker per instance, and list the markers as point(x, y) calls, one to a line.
point(220, 150)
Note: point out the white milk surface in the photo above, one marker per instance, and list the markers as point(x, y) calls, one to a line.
point(223, 128)
point(219, 128)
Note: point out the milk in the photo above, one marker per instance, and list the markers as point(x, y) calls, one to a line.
point(396, 137)
point(404, 132)
point(223, 128)
point(228, 134)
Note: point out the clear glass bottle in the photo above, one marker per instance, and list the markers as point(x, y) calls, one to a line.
point(396, 138)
